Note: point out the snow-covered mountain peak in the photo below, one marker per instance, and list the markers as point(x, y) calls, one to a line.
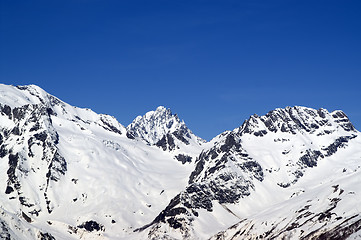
point(57, 157)
point(18, 96)
point(297, 119)
point(238, 173)
point(18, 101)
point(70, 173)
point(153, 125)
point(156, 127)
point(161, 110)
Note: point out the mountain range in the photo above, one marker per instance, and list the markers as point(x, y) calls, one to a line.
point(70, 173)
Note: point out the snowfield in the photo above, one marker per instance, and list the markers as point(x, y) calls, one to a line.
point(70, 173)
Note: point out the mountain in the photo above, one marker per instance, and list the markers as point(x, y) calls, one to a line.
point(290, 164)
point(165, 130)
point(154, 125)
point(70, 173)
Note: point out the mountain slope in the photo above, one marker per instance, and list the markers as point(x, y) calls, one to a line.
point(327, 211)
point(239, 174)
point(70, 173)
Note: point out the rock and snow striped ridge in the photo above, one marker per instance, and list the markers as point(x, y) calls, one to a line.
point(70, 173)
point(291, 160)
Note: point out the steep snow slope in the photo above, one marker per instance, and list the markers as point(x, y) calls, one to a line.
point(268, 161)
point(323, 186)
point(69, 173)
point(68, 170)
point(327, 210)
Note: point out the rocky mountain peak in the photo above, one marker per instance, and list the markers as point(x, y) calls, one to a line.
point(274, 152)
point(160, 127)
point(292, 173)
point(297, 119)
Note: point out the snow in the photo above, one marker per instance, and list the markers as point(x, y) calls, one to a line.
point(116, 178)
point(130, 174)
point(123, 184)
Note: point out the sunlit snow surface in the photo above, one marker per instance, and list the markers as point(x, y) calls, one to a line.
point(109, 177)
point(324, 197)
point(87, 168)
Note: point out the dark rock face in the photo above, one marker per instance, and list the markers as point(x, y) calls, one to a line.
point(260, 133)
point(171, 211)
point(201, 195)
point(26, 217)
point(46, 236)
point(34, 123)
point(210, 183)
point(19, 112)
point(175, 215)
point(91, 226)
point(293, 120)
point(253, 168)
point(13, 181)
point(166, 143)
point(13, 162)
point(321, 113)
point(4, 231)
point(230, 143)
point(339, 143)
point(199, 168)
point(130, 135)
point(223, 174)
point(341, 118)
point(109, 127)
point(41, 136)
point(310, 158)
point(183, 158)
point(6, 110)
point(182, 134)
point(197, 196)
point(16, 131)
point(9, 190)
point(3, 151)
point(57, 167)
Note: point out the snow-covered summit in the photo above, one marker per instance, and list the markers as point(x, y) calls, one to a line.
point(21, 95)
point(297, 119)
point(70, 173)
point(25, 98)
point(155, 124)
point(164, 129)
point(287, 151)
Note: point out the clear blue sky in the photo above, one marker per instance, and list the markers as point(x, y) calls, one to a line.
point(214, 63)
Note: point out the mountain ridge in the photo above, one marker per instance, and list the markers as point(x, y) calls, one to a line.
point(165, 130)
point(206, 187)
point(156, 179)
